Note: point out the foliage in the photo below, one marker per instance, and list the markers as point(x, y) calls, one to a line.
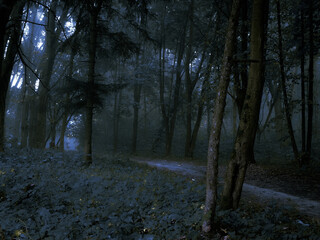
point(51, 195)
point(253, 221)
point(79, 91)
point(47, 195)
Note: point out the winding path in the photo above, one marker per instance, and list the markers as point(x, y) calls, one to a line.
point(305, 206)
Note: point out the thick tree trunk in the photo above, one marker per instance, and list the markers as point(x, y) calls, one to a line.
point(248, 124)
point(220, 102)
point(284, 90)
point(6, 64)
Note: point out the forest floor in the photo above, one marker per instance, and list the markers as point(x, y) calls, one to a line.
point(52, 195)
point(298, 188)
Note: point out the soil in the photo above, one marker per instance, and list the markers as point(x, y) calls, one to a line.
point(295, 187)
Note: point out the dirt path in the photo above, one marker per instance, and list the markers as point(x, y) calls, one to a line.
point(305, 206)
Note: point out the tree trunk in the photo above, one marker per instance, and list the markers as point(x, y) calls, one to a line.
point(136, 107)
point(25, 113)
point(117, 112)
point(92, 60)
point(310, 82)
point(169, 113)
point(66, 112)
point(52, 37)
point(284, 90)
point(303, 97)
point(248, 124)
point(201, 103)
point(6, 64)
point(220, 102)
point(189, 88)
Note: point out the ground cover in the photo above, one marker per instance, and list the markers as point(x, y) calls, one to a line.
point(49, 195)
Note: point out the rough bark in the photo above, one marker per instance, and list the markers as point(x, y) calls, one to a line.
point(249, 118)
point(220, 102)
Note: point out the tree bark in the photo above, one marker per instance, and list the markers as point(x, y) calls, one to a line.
point(302, 80)
point(189, 88)
point(249, 118)
point(6, 64)
point(25, 112)
point(66, 113)
point(94, 12)
point(220, 102)
point(310, 82)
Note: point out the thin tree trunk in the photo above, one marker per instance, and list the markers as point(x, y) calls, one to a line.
point(220, 102)
point(92, 60)
point(303, 97)
point(189, 88)
point(52, 37)
point(25, 113)
point(169, 112)
point(172, 115)
point(66, 112)
point(283, 85)
point(136, 107)
point(248, 124)
point(117, 113)
point(310, 82)
point(201, 103)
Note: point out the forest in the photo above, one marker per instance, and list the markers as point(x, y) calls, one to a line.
point(166, 119)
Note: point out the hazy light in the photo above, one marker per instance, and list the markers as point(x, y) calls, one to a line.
point(70, 27)
point(36, 86)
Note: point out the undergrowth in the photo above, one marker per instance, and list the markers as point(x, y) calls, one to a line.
point(48, 195)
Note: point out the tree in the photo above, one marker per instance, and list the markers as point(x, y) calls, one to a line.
point(283, 86)
point(94, 10)
point(46, 69)
point(169, 108)
point(310, 81)
point(6, 63)
point(220, 102)
point(248, 124)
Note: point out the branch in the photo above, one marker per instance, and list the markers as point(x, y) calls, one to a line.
point(20, 53)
